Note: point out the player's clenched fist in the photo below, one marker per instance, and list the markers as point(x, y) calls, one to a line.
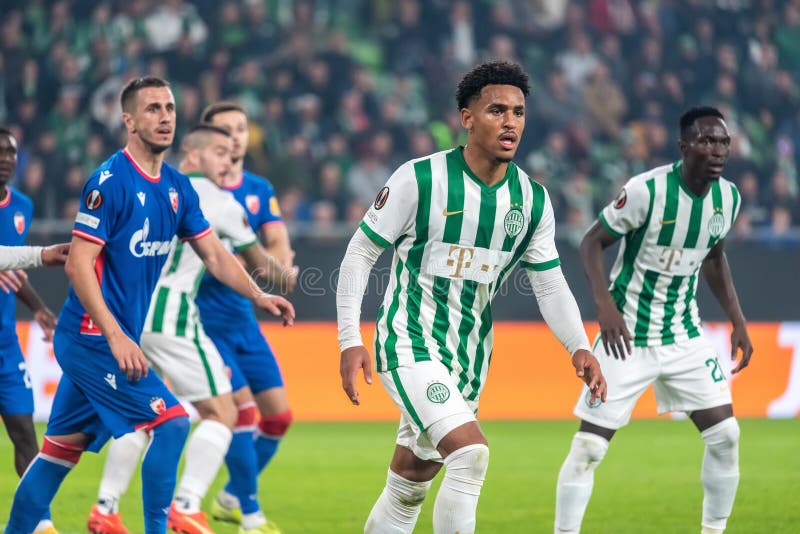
point(353, 359)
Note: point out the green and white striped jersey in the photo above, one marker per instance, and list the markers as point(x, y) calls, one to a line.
point(172, 309)
point(456, 240)
point(668, 231)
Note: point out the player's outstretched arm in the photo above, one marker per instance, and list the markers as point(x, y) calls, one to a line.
point(227, 269)
point(55, 255)
point(614, 332)
point(360, 257)
point(264, 265)
point(80, 271)
point(26, 257)
point(717, 273)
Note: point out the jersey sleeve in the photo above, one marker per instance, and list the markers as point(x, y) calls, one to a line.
point(393, 212)
point(234, 225)
point(192, 223)
point(628, 211)
point(98, 211)
point(541, 253)
point(269, 211)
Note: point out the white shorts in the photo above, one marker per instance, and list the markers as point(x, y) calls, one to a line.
point(686, 377)
point(430, 405)
point(193, 367)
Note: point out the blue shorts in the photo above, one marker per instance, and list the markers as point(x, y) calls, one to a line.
point(16, 394)
point(95, 398)
point(248, 355)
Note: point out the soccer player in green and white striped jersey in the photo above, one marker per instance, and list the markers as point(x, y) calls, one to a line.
point(673, 220)
point(176, 346)
point(459, 221)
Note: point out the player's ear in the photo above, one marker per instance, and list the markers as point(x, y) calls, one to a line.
point(127, 119)
point(467, 119)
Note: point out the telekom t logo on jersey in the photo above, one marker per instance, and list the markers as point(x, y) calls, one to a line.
point(140, 247)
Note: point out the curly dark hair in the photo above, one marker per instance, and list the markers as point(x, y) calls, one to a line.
point(692, 114)
point(490, 73)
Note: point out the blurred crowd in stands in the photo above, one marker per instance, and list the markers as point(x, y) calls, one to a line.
point(339, 92)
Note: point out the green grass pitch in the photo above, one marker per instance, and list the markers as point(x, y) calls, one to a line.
point(327, 475)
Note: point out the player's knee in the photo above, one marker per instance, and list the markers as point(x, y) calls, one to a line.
point(468, 466)
point(275, 426)
point(406, 492)
point(722, 439)
point(66, 453)
point(246, 417)
point(175, 429)
point(588, 450)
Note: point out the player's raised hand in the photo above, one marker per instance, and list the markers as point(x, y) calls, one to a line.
point(55, 255)
point(616, 338)
point(278, 306)
point(353, 359)
point(588, 368)
point(12, 281)
point(129, 356)
point(47, 321)
point(741, 340)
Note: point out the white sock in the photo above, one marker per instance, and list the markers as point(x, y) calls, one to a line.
point(397, 509)
point(454, 509)
point(121, 461)
point(253, 520)
point(576, 479)
point(720, 472)
point(709, 530)
point(205, 452)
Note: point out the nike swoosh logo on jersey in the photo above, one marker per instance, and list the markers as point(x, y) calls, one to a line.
point(449, 213)
point(662, 221)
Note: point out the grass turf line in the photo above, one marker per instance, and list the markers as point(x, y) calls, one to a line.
point(326, 477)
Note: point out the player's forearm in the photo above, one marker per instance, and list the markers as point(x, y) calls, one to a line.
point(275, 237)
point(80, 272)
point(263, 265)
point(559, 308)
point(30, 297)
point(227, 269)
point(717, 273)
point(20, 257)
point(591, 252)
point(358, 261)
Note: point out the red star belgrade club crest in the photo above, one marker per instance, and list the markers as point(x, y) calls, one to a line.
point(158, 405)
point(19, 222)
point(253, 203)
point(173, 199)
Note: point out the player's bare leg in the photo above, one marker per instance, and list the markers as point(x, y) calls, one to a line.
point(576, 478)
point(205, 452)
point(720, 471)
point(22, 434)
